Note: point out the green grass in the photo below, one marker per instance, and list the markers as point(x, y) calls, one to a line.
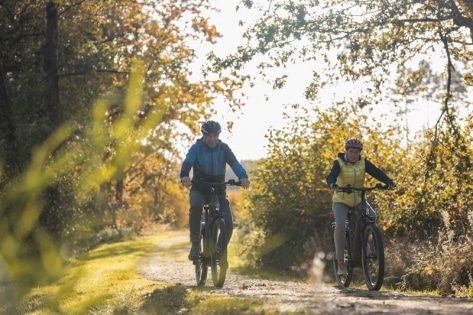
point(106, 282)
point(227, 305)
point(105, 279)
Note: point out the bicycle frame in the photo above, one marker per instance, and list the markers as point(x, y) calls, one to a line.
point(363, 242)
point(213, 238)
point(210, 214)
point(358, 217)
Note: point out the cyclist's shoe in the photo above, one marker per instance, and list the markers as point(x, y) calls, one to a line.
point(194, 252)
point(342, 269)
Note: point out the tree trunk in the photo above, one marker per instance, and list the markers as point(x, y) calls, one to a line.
point(51, 63)
point(7, 127)
point(119, 191)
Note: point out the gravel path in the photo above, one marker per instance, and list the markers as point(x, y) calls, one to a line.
point(168, 262)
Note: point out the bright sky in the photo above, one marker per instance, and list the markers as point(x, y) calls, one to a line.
point(259, 114)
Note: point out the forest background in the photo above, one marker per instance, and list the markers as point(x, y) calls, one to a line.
point(98, 99)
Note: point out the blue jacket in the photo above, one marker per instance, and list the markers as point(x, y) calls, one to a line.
point(209, 165)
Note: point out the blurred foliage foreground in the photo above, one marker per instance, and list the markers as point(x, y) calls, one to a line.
point(37, 237)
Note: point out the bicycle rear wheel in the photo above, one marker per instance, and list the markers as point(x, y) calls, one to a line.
point(218, 258)
point(201, 263)
point(343, 280)
point(373, 257)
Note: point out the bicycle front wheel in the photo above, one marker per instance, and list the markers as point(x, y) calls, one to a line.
point(373, 257)
point(201, 264)
point(218, 258)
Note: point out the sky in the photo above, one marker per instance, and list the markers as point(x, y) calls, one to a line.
point(247, 138)
point(264, 107)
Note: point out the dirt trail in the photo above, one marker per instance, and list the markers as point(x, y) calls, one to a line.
point(171, 265)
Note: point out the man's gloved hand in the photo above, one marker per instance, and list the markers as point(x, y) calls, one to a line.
point(333, 186)
point(391, 185)
point(186, 181)
point(245, 183)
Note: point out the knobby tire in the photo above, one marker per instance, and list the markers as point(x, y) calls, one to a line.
point(373, 257)
point(201, 263)
point(218, 258)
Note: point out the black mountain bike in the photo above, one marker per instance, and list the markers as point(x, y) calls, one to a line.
point(363, 243)
point(213, 238)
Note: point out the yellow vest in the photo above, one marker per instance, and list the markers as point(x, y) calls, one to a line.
point(350, 174)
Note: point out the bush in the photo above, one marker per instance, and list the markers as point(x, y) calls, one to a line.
point(445, 266)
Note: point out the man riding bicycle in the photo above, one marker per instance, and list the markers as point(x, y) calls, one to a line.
point(349, 169)
point(208, 158)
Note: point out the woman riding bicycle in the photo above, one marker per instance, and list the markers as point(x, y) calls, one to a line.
point(208, 158)
point(349, 169)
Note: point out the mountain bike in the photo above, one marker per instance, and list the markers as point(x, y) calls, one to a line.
point(363, 242)
point(213, 238)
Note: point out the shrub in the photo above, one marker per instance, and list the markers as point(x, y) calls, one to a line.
point(445, 264)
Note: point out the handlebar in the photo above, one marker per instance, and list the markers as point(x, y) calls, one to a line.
point(230, 182)
point(348, 189)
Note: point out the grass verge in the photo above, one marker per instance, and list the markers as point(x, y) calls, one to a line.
point(106, 282)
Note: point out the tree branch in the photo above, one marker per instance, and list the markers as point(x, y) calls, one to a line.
point(458, 18)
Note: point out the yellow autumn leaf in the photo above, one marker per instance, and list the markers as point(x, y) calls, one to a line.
point(429, 270)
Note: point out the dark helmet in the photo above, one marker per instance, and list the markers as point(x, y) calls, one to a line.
point(353, 143)
point(211, 127)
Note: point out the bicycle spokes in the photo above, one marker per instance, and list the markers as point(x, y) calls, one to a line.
point(371, 254)
point(373, 258)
